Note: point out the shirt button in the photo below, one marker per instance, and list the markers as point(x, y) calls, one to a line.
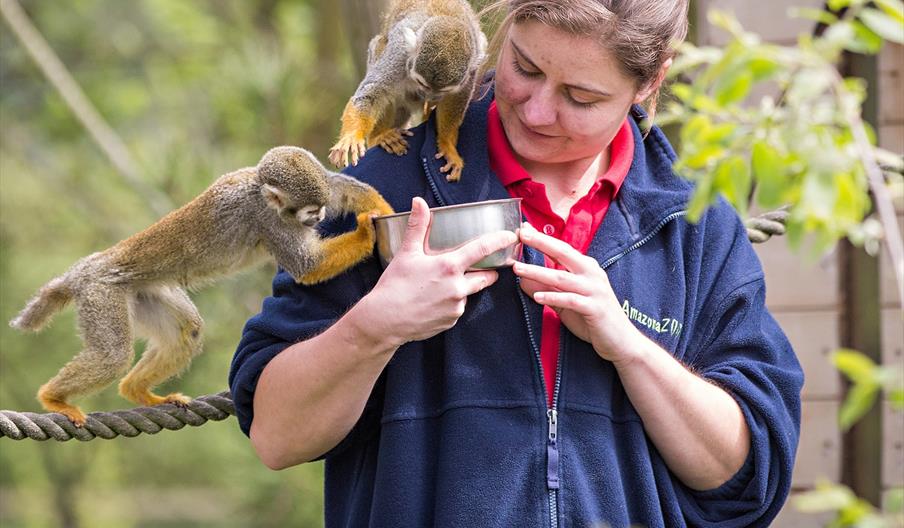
point(549, 229)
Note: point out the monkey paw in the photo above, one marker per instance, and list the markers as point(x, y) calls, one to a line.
point(454, 164)
point(75, 415)
point(349, 146)
point(393, 140)
point(176, 398)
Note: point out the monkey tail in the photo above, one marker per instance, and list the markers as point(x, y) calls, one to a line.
point(51, 298)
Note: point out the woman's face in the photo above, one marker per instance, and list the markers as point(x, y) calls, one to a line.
point(561, 97)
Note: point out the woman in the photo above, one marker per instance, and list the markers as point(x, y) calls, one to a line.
point(626, 373)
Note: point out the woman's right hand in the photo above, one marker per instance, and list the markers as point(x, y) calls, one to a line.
point(420, 295)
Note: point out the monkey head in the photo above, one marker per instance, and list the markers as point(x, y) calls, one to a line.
point(294, 184)
point(442, 56)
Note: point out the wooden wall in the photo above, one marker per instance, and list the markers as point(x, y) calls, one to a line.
point(805, 297)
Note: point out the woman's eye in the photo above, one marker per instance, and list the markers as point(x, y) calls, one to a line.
point(579, 102)
point(521, 71)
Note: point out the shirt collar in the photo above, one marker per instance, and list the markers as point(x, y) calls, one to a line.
point(509, 170)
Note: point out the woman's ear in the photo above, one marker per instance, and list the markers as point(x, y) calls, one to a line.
point(654, 85)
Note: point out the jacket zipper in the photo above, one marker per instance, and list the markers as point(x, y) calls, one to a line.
point(432, 183)
point(552, 417)
point(552, 413)
point(645, 239)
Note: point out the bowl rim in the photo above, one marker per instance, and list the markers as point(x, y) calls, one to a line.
point(448, 207)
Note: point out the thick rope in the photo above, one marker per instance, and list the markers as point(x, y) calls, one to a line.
point(107, 425)
point(217, 407)
point(761, 228)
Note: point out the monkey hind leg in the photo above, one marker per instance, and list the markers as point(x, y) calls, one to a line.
point(103, 319)
point(389, 132)
point(392, 140)
point(344, 251)
point(171, 323)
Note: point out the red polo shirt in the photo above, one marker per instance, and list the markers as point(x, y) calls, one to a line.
point(578, 229)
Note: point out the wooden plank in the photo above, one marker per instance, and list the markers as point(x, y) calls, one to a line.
point(814, 335)
point(888, 286)
point(892, 446)
point(794, 282)
point(768, 18)
point(791, 518)
point(891, 137)
point(819, 452)
point(892, 336)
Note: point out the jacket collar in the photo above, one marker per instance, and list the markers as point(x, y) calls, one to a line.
point(650, 193)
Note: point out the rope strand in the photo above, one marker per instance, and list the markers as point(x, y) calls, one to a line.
point(109, 425)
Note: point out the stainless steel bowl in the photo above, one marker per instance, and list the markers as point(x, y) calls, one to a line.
point(454, 225)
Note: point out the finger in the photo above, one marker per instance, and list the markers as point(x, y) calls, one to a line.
point(418, 224)
point(552, 279)
point(481, 247)
point(556, 249)
point(530, 287)
point(564, 301)
point(407, 133)
point(478, 280)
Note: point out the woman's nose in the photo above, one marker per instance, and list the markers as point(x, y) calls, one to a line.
point(539, 109)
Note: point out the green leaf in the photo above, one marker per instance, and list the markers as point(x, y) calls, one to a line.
point(893, 8)
point(725, 20)
point(837, 5)
point(832, 497)
point(858, 367)
point(894, 500)
point(860, 399)
point(769, 171)
point(884, 25)
point(704, 156)
point(763, 67)
point(810, 13)
point(682, 91)
point(719, 133)
point(896, 397)
point(733, 87)
point(732, 179)
point(704, 195)
point(694, 129)
point(864, 40)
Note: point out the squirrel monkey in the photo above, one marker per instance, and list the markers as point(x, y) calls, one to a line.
point(140, 283)
point(427, 54)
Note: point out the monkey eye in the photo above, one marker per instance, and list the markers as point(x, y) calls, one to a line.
point(291, 211)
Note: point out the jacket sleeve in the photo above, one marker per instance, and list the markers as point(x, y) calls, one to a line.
point(742, 349)
point(291, 314)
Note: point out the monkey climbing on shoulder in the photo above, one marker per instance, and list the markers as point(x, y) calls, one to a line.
point(137, 288)
point(427, 54)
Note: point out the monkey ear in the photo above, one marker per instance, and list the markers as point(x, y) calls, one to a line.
point(274, 197)
point(410, 39)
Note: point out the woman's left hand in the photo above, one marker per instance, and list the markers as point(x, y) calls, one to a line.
point(580, 294)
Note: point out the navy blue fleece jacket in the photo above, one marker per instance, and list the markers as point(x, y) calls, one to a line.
point(457, 430)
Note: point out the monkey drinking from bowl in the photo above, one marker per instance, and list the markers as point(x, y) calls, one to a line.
point(139, 284)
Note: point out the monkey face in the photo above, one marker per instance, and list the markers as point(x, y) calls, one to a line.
point(308, 215)
point(428, 92)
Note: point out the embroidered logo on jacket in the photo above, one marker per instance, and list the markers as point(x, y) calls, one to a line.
point(666, 325)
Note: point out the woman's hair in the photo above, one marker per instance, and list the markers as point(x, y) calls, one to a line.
point(641, 34)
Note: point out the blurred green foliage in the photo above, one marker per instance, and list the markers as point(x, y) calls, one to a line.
point(195, 89)
point(780, 124)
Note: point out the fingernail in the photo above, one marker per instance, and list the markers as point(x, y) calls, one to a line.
point(539, 297)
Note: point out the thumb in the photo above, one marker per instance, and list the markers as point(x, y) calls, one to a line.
point(418, 223)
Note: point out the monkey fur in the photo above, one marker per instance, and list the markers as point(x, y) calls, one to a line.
point(426, 55)
point(137, 288)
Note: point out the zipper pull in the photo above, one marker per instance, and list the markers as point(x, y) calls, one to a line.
point(552, 415)
point(552, 450)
